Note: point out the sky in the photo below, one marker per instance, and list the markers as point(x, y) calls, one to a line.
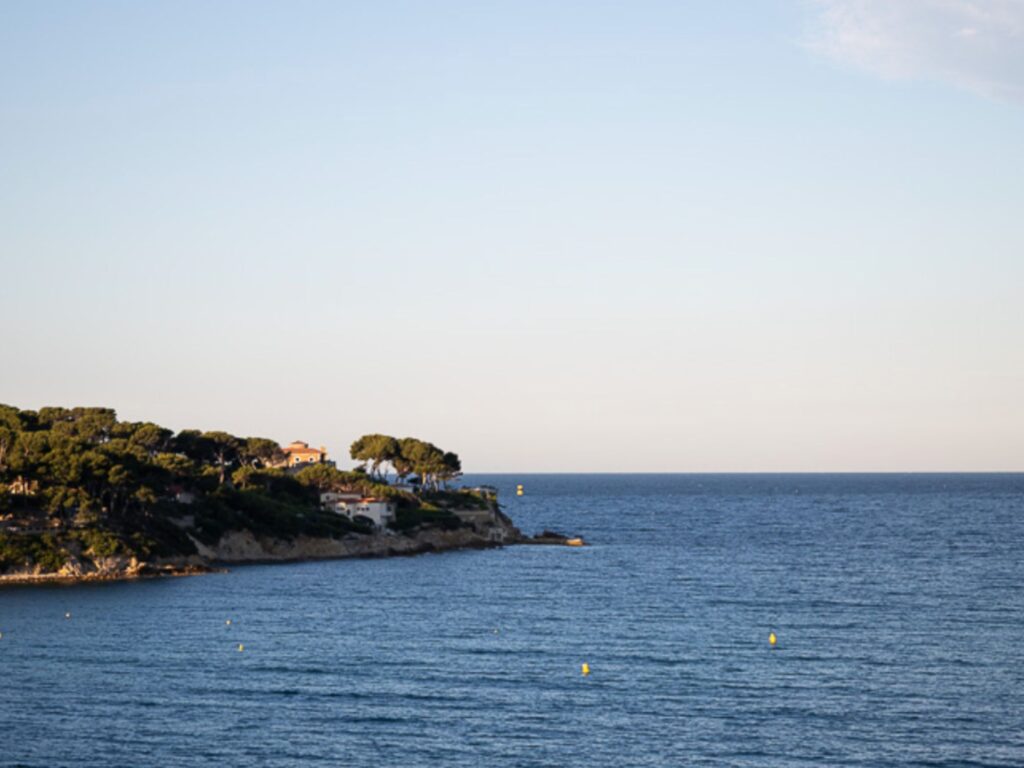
point(550, 236)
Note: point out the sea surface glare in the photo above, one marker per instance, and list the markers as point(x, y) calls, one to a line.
point(896, 600)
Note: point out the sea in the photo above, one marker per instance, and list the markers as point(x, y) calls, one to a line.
point(896, 601)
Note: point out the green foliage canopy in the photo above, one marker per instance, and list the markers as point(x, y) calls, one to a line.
point(407, 456)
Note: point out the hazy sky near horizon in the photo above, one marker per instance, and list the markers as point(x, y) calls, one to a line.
point(550, 236)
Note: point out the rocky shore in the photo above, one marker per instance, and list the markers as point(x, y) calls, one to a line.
point(108, 569)
point(243, 547)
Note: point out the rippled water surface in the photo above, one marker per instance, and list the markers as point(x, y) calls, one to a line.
point(897, 601)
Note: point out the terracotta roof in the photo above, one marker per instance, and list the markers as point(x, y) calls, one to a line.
point(300, 447)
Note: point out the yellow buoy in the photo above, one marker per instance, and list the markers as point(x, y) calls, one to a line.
point(241, 647)
point(585, 669)
point(772, 639)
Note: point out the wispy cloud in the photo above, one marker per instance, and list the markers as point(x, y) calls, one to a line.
point(976, 45)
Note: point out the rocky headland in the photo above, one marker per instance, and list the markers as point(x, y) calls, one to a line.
point(86, 497)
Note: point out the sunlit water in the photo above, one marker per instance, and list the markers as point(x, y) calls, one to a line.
point(897, 601)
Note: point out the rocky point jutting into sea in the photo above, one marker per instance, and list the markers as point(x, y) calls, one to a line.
point(84, 496)
point(244, 546)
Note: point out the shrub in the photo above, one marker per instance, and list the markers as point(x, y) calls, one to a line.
point(98, 542)
point(18, 550)
point(409, 518)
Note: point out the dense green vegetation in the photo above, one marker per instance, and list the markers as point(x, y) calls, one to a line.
point(77, 481)
point(41, 549)
point(406, 456)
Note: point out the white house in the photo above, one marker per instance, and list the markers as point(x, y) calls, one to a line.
point(379, 511)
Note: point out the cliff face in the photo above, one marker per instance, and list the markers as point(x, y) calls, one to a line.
point(242, 546)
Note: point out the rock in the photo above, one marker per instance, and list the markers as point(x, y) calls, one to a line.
point(552, 537)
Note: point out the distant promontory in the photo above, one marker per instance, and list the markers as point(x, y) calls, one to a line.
point(86, 496)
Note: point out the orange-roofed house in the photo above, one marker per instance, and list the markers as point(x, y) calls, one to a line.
point(299, 454)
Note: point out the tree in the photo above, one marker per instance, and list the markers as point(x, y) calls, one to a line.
point(10, 426)
point(260, 452)
point(452, 467)
point(323, 477)
point(27, 455)
point(176, 465)
point(376, 451)
point(403, 462)
point(93, 425)
point(223, 449)
point(151, 437)
point(433, 466)
point(190, 443)
point(423, 458)
point(246, 477)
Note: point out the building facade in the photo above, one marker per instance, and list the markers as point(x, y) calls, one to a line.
point(299, 454)
point(380, 512)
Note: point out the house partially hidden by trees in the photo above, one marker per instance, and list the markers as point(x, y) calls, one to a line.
point(380, 512)
point(299, 454)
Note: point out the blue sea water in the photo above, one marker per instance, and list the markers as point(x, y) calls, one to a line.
point(897, 601)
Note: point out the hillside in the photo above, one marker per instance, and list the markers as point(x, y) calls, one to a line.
point(83, 494)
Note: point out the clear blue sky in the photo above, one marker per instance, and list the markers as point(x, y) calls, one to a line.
point(561, 236)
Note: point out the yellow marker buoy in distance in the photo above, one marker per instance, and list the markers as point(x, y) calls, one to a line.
point(772, 639)
point(241, 647)
point(585, 669)
point(519, 490)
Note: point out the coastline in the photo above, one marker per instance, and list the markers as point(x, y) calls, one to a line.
point(59, 578)
point(242, 547)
